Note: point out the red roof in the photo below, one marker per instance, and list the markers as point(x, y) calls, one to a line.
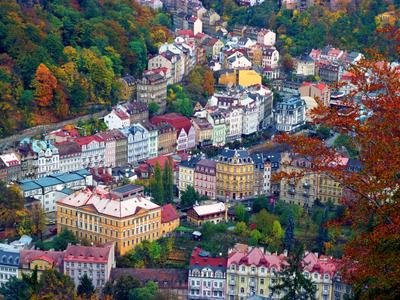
point(168, 213)
point(199, 260)
point(88, 254)
point(85, 140)
point(185, 32)
point(53, 257)
point(161, 160)
point(320, 86)
point(121, 114)
point(174, 119)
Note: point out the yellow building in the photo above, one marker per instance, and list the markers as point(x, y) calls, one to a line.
point(244, 78)
point(100, 216)
point(42, 260)
point(186, 173)
point(311, 186)
point(235, 175)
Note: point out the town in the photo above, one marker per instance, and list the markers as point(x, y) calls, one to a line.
point(197, 181)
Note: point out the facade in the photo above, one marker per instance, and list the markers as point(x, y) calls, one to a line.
point(266, 37)
point(214, 213)
point(102, 216)
point(117, 119)
point(40, 260)
point(153, 88)
point(205, 178)
point(137, 111)
point(234, 117)
point(9, 262)
point(169, 219)
point(186, 173)
point(95, 262)
point(290, 114)
point(250, 123)
point(270, 58)
point(70, 156)
point(92, 148)
point(235, 175)
point(109, 148)
point(121, 147)
point(262, 174)
point(207, 276)
point(51, 188)
point(153, 138)
point(319, 91)
point(203, 131)
point(128, 90)
point(138, 143)
point(217, 120)
point(11, 165)
point(305, 66)
point(166, 138)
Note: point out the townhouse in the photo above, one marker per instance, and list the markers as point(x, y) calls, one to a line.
point(215, 213)
point(205, 178)
point(138, 143)
point(92, 148)
point(290, 114)
point(70, 156)
point(186, 173)
point(152, 88)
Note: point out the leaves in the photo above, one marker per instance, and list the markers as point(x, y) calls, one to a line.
point(44, 84)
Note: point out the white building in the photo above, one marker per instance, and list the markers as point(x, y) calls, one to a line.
point(109, 148)
point(70, 156)
point(153, 138)
point(49, 189)
point(234, 120)
point(92, 148)
point(48, 158)
point(95, 262)
point(266, 37)
point(238, 61)
point(117, 119)
point(138, 143)
point(250, 116)
point(290, 114)
point(270, 58)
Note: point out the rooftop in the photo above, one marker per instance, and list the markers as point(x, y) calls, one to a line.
point(168, 213)
point(207, 209)
point(88, 254)
point(202, 258)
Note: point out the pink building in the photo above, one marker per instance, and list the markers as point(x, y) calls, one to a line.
point(205, 178)
point(109, 149)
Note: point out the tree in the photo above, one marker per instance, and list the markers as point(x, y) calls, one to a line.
point(157, 189)
point(44, 84)
point(147, 292)
point(288, 241)
point(64, 238)
point(255, 236)
point(291, 281)
point(11, 204)
point(261, 202)
point(241, 213)
point(85, 287)
point(120, 288)
point(264, 221)
point(208, 82)
point(16, 289)
point(38, 221)
point(189, 197)
point(168, 181)
point(55, 285)
point(323, 236)
point(371, 192)
point(276, 235)
point(153, 108)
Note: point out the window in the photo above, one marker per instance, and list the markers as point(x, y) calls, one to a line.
point(261, 292)
point(262, 281)
point(242, 290)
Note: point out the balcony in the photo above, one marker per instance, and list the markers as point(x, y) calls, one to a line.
point(232, 282)
point(231, 292)
point(306, 185)
point(252, 283)
point(292, 191)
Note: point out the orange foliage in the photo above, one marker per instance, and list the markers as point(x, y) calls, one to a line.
point(371, 196)
point(209, 82)
point(44, 83)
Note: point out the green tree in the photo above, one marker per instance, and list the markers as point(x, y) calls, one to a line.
point(168, 181)
point(38, 221)
point(157, 189)
point(323, 236)
point(189, 197)
point(85, 287)
point(153, 108)
point(11, 204)
point(120, 288)
point(137, 49)
point(261, 202)
point(64, 238)
point(241, 213)
point(291, 281)
point(264, 221)
point(288, 241)
point(147, 292)
point(241, 229)
point(55, 285)
point(184, 106)
point(255, 236)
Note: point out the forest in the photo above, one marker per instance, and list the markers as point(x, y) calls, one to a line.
point(62, 58)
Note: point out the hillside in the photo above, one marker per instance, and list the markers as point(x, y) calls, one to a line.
point(60, 58)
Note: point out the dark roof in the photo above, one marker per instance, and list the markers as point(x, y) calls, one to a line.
point(207, 163)
point(68, 148)
point(136, 107)
point(164, 127)
point(165, 278)
point(129, 79)
point(229, 153)
point(190, 163)
point(128, 189)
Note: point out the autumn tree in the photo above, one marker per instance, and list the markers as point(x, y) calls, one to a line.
point(55, 285)
point(85, 287)
point(44, 84)
point(11, 205)
point(208, 82)
point(371, 191)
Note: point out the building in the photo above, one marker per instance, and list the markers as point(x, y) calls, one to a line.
point(153, 4)
point(137, 111)
point(95, 262)
point(171, 282)
point(205, 178)
point(250, 272)
point(166, 138)
point(109, 148)
point(266, 37)
point(207, 276)
point(203, 131)
point(217, 119)
point(262, 174)
point(11, 166)
point(234, 116)
point(92, 148)
point(270, 58)
point(70, 156)
point(51, 188)
point(153, 138)
point(243, 78)
point(186, 173)
point(9, 262)
point(238, 61)
point(171, 61)
point(329, 72)
point(153, 89)
point(40, 260)
point(250, 117)
point(210, 19)
point(235, 175)
point(186, 136)
point(305, 66)
point(102, 216)
point(195, 24)
point(169, 219)
point(319, 91)
point(214, 213)
point(138, 143)
point(290, 114)
point(117, 119)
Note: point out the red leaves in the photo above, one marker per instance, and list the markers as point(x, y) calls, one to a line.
point(44, 84)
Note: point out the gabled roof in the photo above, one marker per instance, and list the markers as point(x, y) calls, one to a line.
point(168, 213)
point(68, 148)
point(178, 121)
point(208, 209)
point(85, 140)
point(88, 254)
point(201, 258)
point(53, 257)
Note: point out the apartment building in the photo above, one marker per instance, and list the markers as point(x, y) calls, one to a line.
point(205, 178)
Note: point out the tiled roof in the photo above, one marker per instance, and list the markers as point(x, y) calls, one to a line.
point(85, 140)
point(168, 213)
point(88, 254)
point(161, 160)
point(202, 258)
point(53, 257)
point(107, 203)
point(68, 148)
point(178, 121)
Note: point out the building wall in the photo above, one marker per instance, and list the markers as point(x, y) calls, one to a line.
point(206, 283)
point(168, 227)
point(205, 184)
point(186, 178)
point(167, 142)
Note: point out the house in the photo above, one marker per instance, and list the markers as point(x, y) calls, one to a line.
point(243, 78)
point(153, 138)
point(152, 88)
point(305, 66)
point(109, 148)
point(210, 19)
point(9, 262)
point(62, 135)
point(186, 173)
point(137, 111)
point(169, 219)
point(234, 117)
point(290, 114)
point(138, 143)
point(214, 213)
point(40, 260)
point(12, 166)
point(195, 24)
point(319, 91)
point(92, 148)
point(250, 117)
point(170, 61)
point(186, 136)
point(95, 262)
point(171, 282)
point(121, 147)
point(117, 119)
point(109, 218)
point(217, 119)
point(207, 276)
point(128, 87)
point(212, 47)
point(203, 130)
point(205, 178)
point(266, 37)
point(262, 174)
point(70, 156)
point(238, 61)
point(166, 138)
point(329, 72)
point(270, 57)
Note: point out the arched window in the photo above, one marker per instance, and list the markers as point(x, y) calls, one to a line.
point(242, 290)
point(261, 292)
point(218, 274)
point(196, 273)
